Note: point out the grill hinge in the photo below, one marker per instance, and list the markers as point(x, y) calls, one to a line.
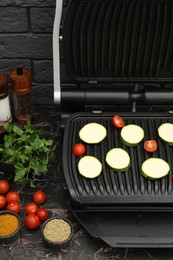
point(101, 99)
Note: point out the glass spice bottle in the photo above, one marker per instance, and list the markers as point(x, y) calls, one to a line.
point(21, 84)
point(5, 111)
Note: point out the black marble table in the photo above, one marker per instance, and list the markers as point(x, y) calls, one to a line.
point(83, 247)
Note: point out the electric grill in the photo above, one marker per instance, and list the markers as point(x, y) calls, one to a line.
point(111, 57)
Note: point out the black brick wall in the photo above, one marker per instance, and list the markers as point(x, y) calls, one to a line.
point(26, 40)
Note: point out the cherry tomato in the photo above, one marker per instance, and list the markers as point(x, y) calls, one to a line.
point(32, 221)
point(2, 201)
point(4, 186)
point(118, 122)
point(14, 206)
point(39, 197)
point(12, 196)
point(150, 146)
point(42, 214)
point(79, 149)
point(31, 207)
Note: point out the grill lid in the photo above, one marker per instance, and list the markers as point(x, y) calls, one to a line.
point(109, 40)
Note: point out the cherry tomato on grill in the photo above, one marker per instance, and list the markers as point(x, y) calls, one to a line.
point(12, 196)
point(14, 206)
point(2, 201)
point(79, 149)
point(42, 214)
point(31, 207)
point(150, 146)
point(118, 122)
point(4, 186)
point(32, 221)
point(39, 197)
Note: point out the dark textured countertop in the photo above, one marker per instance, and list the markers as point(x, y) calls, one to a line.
point(30, 244)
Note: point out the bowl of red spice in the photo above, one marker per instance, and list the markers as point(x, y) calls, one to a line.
point(57, 232)
point(9, 227)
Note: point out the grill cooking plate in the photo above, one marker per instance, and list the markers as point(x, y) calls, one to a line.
point(113, 187)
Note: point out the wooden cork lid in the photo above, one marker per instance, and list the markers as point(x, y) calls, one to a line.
point(21, 81)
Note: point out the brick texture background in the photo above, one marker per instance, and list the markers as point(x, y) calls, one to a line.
point(26, 41)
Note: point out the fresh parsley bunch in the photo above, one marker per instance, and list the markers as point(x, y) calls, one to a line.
point(28, 151)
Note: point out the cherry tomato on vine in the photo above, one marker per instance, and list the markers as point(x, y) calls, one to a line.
point(31, 207)
point(12, 196)
point(79, 149)
point(2, 201)
point(13, 206)
point(32, 221)
point(4, 186)
point(39, 197)
point(42, 214)
point(117, 121)
point(150, 146)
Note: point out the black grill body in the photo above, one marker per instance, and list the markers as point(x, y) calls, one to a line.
point(116, 57)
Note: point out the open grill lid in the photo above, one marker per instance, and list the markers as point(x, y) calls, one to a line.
point(118, 41)
point(108, 46)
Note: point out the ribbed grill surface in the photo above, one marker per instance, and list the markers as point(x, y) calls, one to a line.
point(117, 187)
point(109, 39)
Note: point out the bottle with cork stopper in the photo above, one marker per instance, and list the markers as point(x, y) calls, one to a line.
point(5, 111)
point(21, 84)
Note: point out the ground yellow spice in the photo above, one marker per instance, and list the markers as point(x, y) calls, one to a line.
point(57, 230)
point(8, 224)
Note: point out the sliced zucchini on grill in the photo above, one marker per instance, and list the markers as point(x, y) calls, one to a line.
point(165, 132)
point(132, 135)
point(155, 168)
point(118, 159)
point(89, 166)
point(92, 133)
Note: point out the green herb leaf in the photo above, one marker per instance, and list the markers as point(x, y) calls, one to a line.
point(17, 130)
point(31, 183)
point(8, 127)
point(20, 172)
point(9, 151)
point(9, 140)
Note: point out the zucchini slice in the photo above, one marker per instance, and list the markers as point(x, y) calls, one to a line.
point(118, 159)
point(132, 135)
point(155, 168)
point(89, 166)
point(92, 133)
point(165, 131)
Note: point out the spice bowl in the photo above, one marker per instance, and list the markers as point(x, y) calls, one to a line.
point(9, 227)
point(57, 232)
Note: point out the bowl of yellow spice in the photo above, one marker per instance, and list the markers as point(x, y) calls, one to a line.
point(9, 227)
point(57, 232)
